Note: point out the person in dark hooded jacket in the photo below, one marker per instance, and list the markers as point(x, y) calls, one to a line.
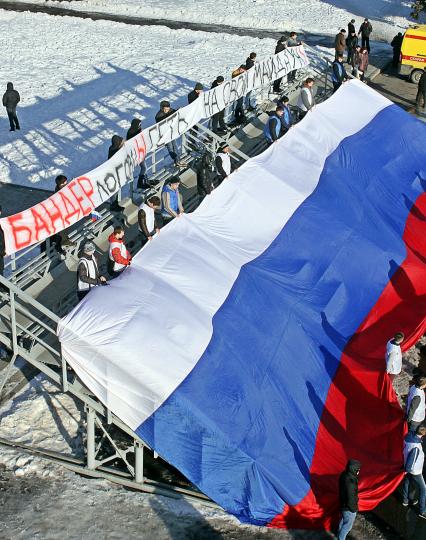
point(280, 46)
point(11, 98)
point(348, 493)
point(204, 176)
point(116, 143)
point(134, 129)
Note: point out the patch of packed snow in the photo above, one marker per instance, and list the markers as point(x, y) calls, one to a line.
point(319, 16)
point(41, 416)
point(81, 81)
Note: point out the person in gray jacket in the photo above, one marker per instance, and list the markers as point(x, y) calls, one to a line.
point(11, 98)
point(414, 458)
point(306, 100)
point(292, 42)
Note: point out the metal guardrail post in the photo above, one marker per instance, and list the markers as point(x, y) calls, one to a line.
point(139, 449)
point(14, 342)
point(154, 161)
point(90, 443)
point(64, 374)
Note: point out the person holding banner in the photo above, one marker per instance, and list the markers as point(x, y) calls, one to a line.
point(239, 115)
point(135, 129)
point(164, 112)
point(218, 119)
point(117, 143)
point(292, 42)
point(280, 46)
point(251, 96)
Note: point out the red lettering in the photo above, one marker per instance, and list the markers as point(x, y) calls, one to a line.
point(79, 197)
point(54, 214)
point(69, 207)
point(18, 230)
point(140, 147)
point(40, 225)
point(87, 187)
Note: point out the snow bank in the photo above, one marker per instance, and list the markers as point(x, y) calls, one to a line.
point(319, 16)
point(41, 416)
point(81, 81)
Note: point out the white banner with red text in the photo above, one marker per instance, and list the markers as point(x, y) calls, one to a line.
point(85, 193)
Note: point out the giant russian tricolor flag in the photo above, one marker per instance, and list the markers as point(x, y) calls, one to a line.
point(246, 342)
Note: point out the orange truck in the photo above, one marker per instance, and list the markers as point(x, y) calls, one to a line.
point(413, 53)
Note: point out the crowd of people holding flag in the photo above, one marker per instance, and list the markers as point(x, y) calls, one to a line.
point(159, 209)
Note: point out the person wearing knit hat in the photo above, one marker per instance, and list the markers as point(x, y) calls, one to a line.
point(192, 96)
point(165, 111)
point(195, 94)
point(88, 275)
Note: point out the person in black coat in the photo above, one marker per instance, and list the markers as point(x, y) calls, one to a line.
point(351, 43)
point(117, 142)
point(204, 176)
point(396, 44)
point(192, 96)
point(195, 94)
point(11, 98)
point(421, 93)
point(348, 494)
point(280, 46)
point(134, 129)
point(218, 119)
point(365, 30)
point(165, 111)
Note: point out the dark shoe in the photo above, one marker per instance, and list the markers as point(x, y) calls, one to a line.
point(115, 207)
point(423, 515)
point(12, 129)
point(405, 503)
point(18, 127)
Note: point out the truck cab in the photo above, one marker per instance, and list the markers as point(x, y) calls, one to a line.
point(413, 53)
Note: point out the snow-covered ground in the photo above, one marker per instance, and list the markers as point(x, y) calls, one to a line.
point(320, 16)
point(81, 81)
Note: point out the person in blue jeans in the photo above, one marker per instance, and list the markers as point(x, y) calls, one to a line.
point(414, 459)
point(348, 493)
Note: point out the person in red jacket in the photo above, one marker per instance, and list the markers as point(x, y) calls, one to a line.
point(119, 257)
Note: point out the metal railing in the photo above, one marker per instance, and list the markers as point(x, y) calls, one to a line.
point(28, 328)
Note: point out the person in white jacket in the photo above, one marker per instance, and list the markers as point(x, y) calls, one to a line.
point(416, 403)
point(394, 355)
point(306, 100)
point(414, 459)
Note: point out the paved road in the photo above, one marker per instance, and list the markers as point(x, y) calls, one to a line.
point(396, 88)
point(325, 40)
